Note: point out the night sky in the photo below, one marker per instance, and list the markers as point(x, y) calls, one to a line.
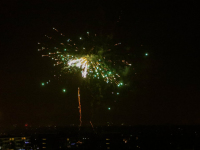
point(165, 90)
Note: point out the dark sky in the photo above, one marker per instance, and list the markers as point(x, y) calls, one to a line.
point(167, 85)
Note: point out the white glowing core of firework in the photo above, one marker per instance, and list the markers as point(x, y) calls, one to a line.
point(82, 62)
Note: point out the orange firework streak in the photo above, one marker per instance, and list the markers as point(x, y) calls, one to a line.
point(79, 102)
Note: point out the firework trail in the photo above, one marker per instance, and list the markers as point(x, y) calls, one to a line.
point(79, 106)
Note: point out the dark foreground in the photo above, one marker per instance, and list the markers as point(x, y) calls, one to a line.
point(101, 138)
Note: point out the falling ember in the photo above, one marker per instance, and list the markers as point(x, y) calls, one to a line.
point(91, 125)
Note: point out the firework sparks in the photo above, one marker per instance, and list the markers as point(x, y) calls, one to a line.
point(82, 62)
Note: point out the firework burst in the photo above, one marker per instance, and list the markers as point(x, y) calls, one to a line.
point(88, 57)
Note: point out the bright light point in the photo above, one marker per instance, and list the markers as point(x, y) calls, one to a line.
point(109, 108)
point(80, 38)
point(146, 54)
point(64, 90)
point(117, 93)
point(42, 84)
point(65, 50)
